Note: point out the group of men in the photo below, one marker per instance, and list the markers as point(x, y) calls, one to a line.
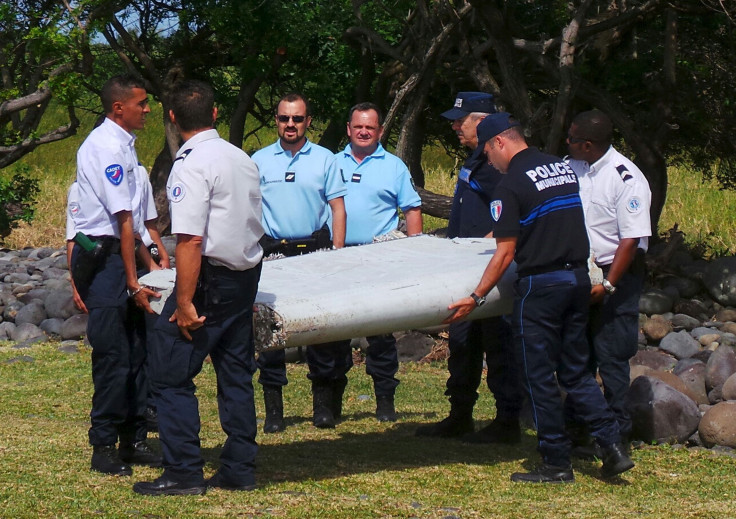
point(294, 197)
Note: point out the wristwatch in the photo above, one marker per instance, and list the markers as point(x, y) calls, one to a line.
point(133, 293)
point(479, 300)
point(608, 287)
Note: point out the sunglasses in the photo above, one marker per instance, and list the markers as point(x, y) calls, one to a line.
point(575, 140)
point(296, 118)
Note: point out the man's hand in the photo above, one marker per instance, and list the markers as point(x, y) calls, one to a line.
point(187, 320)
point(78, 300)
point(597, 293)
point(462, 309)
point(142, 297)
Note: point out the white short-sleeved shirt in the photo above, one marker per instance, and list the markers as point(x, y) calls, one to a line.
point(106, 179)
point(616, 200)
point(214, 193)
point(144, 206)
point(296, 189)
point(73, 210)
point(377, 187)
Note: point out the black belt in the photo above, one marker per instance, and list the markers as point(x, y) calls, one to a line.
point(570, 265)
point(110, 244)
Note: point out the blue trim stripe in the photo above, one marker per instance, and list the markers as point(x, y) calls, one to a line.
point(558, 203)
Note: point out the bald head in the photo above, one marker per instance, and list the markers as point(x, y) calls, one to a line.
point(594, 126)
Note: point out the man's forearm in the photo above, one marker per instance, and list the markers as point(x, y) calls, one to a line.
point(127, 248)
point(413, 221)
point(625, 254)
point(339, 220)
point(188, 266)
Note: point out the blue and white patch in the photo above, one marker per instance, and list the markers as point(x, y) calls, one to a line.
point(625, 175)
point(634, 205)
point(290, 176)
point(496, 208)
point(177, 192)
point(114, 174)
point(356, 178)
point(74, 209)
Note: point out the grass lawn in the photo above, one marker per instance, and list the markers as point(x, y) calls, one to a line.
point(360, 469)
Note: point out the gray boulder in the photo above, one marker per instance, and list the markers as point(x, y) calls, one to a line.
point(55, 273)
point(33, 313)
point(719, 279)
point(6, 330)
point(59, 303)
point(27, 343)
point(11, 310)
point(693, 308)
point(74, 327)
point(720, 366)
point(51, 326)
point(685, 287)
point(656, 360)
point(660, 413)
point(718, 425)
point(656, 328)
point(692, 375)
point(25, 331)
point(684, 321)
point(413, 346)
point(655, 301)
point(679, 344)
point(728, 391)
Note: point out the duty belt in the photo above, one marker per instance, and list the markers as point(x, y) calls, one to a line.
point(570, 265)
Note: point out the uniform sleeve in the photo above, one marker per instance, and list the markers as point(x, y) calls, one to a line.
point(632, 208)
point(334, 183)
point(487, 178)
point(148, 204)
point(108, 169)
point(505, 212)
point(72, 205)
point(407, 197)
point(189, 198)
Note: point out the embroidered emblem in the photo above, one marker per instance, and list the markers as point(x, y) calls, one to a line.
point(74, 209)
point(634, 205)
point(177, 192)
point(114, 174)
point(355, 178)
point(625, 175)
point(458, 102)
point(496, 210)
point(290, 176)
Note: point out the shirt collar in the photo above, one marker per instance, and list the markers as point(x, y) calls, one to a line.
point(378, 152)
point(115, 128)
point(603, 161)
point(304, 149)
point(202, 136)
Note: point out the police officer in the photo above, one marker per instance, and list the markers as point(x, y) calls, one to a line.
point(470, 217)
point(301, 187)
point(616, 200)
point(102, 262)
point(215, 203)
point(378, 185)
point(532, 205)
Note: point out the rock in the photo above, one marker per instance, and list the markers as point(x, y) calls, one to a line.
point(74, 327)
point(684, 321)
point(52, 326)
point(718, 425)
point(660, 413)
point(693, 376)
point(413, 346)
point(55, 273)
point(6, 329)
point(26, 331)
point(69, 347)
point(674, 382)
point(728, 391)
point(679, 344)
point(719, 279)
point(36, 294)
point(693, 308)
point(27, 343)
point(655, 301)
point(707, 340)
point(698, 332)
point(703, 355)
point(655, 360)
point(17, 277)
point(11, 310)
point(685, 287)
point(59, 303)
point(720, 366)
point(638, 371)
point(656, 328)
point(715, 395)
point(726, 314)
point(32, 313)
point(728, 327)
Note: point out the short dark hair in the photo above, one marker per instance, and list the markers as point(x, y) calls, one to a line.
point(118, 88)
point(292, 97)
point(594, 126)
point(192, 102)
point(364, 107)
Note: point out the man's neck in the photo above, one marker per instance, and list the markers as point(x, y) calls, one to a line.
point(293, 147)
point(359, 154)
point(188, 135)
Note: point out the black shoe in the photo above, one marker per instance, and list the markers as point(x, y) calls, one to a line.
point(385, 411)
point(105, 459)
point(274, 403)
point(338, 390)
point(453, 426)
point(615, 460)
point(151, 419)
point(589, 452)
point(498, 431)
point(139, 453)
point(322, 406)
point(165, 487)
point(217, 481)
point(545, 474)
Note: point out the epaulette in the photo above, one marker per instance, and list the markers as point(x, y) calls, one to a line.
point(625, 175)
point(183, 155)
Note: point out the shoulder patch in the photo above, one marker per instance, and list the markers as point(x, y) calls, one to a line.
point(625, 175)
point(634, 204)
point(177, 192)
point(114, 173)
point(74, 209)
point(496, 208)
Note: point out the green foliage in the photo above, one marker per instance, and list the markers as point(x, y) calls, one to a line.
point(17, 196)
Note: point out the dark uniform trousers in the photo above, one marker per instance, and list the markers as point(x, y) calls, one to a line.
point(468, 341)
point(120, 387)
point(227, 336)
point(549, 325)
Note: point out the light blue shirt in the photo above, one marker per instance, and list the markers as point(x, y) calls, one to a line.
point(296, 189)
point(377, 188)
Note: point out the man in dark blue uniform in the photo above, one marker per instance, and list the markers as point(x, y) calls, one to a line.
point(540, 224)
point(469, 218)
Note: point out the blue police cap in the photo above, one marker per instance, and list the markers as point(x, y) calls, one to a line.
point(469, 102)
point(494, 124)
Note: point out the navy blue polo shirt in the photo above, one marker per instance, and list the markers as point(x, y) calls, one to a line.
point(538, 202)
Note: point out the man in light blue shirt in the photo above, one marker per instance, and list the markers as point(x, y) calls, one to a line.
point(301, 189)
point(378, 185)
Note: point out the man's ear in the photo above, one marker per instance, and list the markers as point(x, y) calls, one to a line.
point(172, 118)
point(214, 116)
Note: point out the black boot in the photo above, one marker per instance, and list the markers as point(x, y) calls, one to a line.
point(151, 419)
point(139, 453)
point(105, 459)
point(545, 474)
point(459, 423)
point(385, 411)
point(338, 390)
point(322, 406)
point(615, 460)
point(274, 403)
point(500, 430)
